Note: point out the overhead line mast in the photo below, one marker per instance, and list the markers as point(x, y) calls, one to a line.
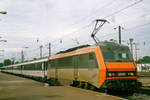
point(97, 28)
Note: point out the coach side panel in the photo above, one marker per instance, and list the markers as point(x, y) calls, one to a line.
point(35, 70)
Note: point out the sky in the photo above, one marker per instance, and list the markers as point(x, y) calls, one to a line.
point(69, 23)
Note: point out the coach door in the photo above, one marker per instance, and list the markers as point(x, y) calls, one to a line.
point(45, 68)
point(76, 67)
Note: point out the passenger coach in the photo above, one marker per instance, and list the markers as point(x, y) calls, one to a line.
point(34, 69)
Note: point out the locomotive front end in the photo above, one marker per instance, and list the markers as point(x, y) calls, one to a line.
point(121, 71)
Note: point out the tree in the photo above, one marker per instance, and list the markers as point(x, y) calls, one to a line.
point(7, 62)
point(145, 59)
point(17, 62)
point(1, 64)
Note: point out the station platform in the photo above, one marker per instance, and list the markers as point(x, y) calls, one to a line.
point(17, 88)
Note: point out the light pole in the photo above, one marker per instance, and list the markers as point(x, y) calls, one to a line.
point(49, 49)
point(2, 50)
point(131, 45)
point(41, 47)
point(22, 54)
point(136, 53)
point(13, 60)
point(119, 31)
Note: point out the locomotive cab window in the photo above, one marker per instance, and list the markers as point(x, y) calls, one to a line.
point(122, 55)
point(116, 53)
point(108, 55)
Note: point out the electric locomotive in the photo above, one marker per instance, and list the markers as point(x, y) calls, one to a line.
point(103, 65)
point(107, 65)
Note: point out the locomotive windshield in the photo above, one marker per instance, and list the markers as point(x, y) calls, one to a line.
point(116, 53)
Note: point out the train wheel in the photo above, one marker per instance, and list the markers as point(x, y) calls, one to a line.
point(79, 85)
point(75, 83)
point(86, 85)
point(53, 82)
point(91, 87)
point(82, 84)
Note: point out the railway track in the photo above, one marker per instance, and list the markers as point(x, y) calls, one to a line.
point(142, 93)
point(143, 90)
point(139, 94)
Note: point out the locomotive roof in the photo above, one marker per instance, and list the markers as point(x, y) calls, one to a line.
point(74, 48)
point(103, 43)
point(106, 43)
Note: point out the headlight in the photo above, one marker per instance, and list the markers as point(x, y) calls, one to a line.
point(130, 74)
point(111, 74)
point(120, 74)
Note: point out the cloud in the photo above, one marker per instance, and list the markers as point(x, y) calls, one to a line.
point(52, 20)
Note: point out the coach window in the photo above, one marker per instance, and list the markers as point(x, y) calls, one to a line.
point(31, 66)
point(26, 67)
point(22, 67)
point(39, 66)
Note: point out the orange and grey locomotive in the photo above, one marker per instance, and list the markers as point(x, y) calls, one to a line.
point(107, 65)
